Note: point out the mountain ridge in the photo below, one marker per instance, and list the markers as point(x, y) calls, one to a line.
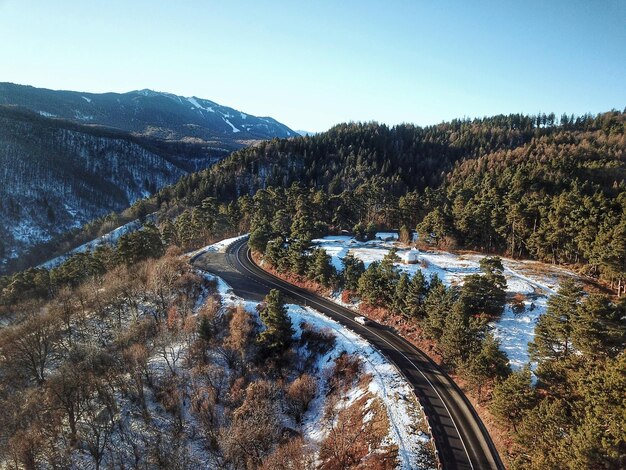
point(70, 157)
point(150, 113)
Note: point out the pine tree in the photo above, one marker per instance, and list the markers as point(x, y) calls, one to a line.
point(389, 277)
point(169, 233)
point(371, 286)
point(434, 228)
point(281, 223)
point(184, 229)
point(353, 269)
point(416, 294)
point(320, 268)
point(401, 295)
point(488, 364)
point(437, 305)
point(599, 327)
point(493, 269)
point(359, 232)
point(553, 333)
point(482, 295)
point(260, 236)
point(303, 226)
point(541, 431)
point(513, 396)
point(462, 336)
point(275, 253)
point(278, 333)
point(297, 258)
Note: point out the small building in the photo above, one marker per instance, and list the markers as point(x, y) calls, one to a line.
point(409, 257)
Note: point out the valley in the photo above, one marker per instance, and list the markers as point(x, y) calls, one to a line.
point(276, 236)
point(69, 159)
point(510, 327)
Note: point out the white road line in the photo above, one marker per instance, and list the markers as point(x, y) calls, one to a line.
point(382, 339)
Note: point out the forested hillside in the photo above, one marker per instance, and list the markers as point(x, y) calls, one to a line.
point(150, 114)
point(515, 185)
point(57, 176)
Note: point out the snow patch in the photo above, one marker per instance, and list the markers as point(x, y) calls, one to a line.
point(109, 238)
point(219, 247)
point(523, 278)
point(195, 103)
point(83, 117)
point(235, 130)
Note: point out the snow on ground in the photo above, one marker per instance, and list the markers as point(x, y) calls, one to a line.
point(403, 410)
point(219, 247)
point(387, 383)
point(107, 239)
point(535, 281)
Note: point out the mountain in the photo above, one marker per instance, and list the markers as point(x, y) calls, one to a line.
point(69, 157)
point(149, 113)
point(57, 175)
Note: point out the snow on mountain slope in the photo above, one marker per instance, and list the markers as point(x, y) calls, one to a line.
point(110, 238)
point(57, 176)
point(151, 113)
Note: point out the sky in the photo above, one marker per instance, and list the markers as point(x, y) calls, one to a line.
point(314, 64)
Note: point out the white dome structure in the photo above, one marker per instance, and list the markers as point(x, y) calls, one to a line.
point(409, 257)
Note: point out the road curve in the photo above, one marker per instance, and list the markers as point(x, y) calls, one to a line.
point(461, 439)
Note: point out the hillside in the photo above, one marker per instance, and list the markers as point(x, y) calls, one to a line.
point(149, 113)
point(522, 186)
point(69, 157)
point(161, 349)
point(527, 186)
point(59, 175)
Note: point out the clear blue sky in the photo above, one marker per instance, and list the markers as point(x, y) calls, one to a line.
point(316, 63)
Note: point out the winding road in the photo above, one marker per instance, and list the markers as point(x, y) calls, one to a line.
point(461, 439)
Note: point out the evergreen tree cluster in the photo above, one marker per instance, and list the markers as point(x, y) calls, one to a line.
point(560, 198)
point(526, 186)
point(456, 318)
point(574, 416)
point(41, 283)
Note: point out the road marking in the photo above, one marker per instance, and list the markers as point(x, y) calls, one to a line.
point(372, 332)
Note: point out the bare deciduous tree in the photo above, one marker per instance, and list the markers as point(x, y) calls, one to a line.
point(28, 347)
point(256, 426)
point(300, 394)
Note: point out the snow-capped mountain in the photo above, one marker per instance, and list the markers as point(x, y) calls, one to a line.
point(67, 157)
point(149, 113)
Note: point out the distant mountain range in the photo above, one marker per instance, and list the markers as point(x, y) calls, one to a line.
point(149, 113)
point(67, 157)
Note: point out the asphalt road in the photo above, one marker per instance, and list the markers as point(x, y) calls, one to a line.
point(460, 436)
